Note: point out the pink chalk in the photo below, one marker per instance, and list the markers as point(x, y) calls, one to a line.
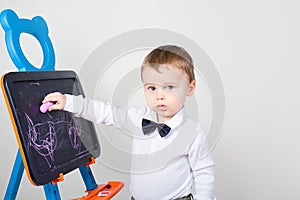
point(44, 107)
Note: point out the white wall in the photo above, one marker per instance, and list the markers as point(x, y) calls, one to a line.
point(254, 46)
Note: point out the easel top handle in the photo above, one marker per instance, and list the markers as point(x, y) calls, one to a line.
point(37, 27)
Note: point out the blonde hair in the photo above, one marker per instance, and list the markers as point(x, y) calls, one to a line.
point(171, 54)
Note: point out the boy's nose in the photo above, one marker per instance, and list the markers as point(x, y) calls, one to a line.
point(160, 95)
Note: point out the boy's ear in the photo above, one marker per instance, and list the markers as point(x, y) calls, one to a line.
point(192, 88)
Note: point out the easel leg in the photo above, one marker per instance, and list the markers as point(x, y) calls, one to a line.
point(51, 191)
point(88, 178)
point(15, 178)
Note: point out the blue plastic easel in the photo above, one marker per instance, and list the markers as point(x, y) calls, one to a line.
point(13, 27)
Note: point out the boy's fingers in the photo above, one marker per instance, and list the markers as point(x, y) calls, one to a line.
point(47, 98)
point(55, 107)
point(51, 97)
point(57, 98)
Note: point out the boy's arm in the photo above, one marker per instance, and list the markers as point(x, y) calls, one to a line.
point(97, 111)
point(105, 113)
point(202, 166)
point(92, 110)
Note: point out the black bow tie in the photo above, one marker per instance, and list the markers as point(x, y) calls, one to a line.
point(149, 126)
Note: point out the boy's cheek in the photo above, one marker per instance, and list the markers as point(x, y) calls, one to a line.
point(149, 101)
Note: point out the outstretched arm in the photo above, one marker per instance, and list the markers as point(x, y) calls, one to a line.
point(95, 111)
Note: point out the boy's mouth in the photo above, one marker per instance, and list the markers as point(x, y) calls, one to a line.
point(162, 107)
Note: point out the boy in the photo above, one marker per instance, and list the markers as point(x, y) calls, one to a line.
point(169, 146)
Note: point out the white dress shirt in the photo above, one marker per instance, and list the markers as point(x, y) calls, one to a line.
point(163, 168)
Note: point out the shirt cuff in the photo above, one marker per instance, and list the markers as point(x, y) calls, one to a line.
point(73, 103)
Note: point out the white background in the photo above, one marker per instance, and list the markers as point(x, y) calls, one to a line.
point(254, 46)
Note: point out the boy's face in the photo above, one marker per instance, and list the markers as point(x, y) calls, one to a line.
point(166, 90)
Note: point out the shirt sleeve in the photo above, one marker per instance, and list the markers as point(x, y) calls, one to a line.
point(95, 111)
point(202, 166)
point(105, 113)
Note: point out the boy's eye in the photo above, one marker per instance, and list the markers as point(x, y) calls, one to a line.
point(151, 88)
point(170, 87)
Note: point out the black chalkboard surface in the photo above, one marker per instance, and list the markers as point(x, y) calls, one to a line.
point(53, 142)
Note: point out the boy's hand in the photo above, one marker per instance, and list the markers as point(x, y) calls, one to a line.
point(57, 97)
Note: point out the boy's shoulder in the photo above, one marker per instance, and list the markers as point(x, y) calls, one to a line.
point(138, 111)
point(195, 124)
point(135, 114)
point(195, 129)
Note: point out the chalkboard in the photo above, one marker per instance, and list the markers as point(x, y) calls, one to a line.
point(53, 142)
